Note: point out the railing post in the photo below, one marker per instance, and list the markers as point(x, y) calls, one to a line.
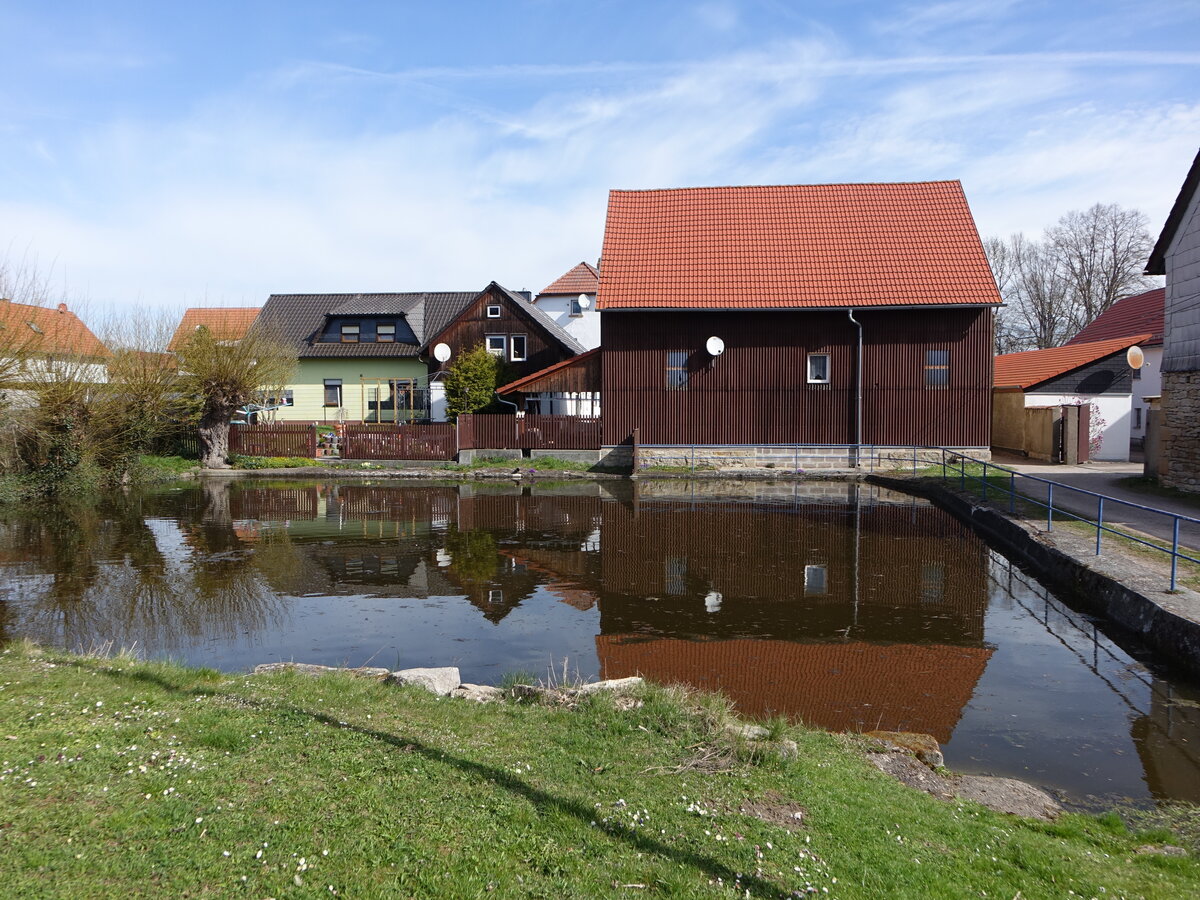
point(1174, 552)
point(985, 465)
point(914, 460)
point(943, 449)
point(1012, 493)
point(1049, 505)
point(962, 470)
point(1099, 523)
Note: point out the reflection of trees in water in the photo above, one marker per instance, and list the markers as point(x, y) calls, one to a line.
point(95, 573)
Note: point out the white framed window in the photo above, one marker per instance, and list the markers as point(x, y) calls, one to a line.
point(816, 581)
point(818, 368)
point(350, 332)
point(385, 332)
point(496, 344)
point(493, 311)
point(576, 309)
point(516, 344)
point(495, 596)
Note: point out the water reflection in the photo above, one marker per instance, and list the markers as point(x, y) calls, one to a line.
point(846, 606)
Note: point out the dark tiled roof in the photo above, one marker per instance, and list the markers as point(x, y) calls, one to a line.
point(793, 246)
point(300, 318)
point(1139, 314)
point(1024, 370)
point(555, 330)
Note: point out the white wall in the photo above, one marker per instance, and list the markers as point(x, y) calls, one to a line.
point(584, 328)
point(1149, 385)
point(1113, 409)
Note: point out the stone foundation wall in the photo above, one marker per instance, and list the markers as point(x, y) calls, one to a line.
point(1180, 433)
point(780, 459)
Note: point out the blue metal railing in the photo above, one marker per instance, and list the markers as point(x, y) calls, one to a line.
point(954, 464)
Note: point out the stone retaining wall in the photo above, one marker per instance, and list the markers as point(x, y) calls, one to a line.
point(1181, 430)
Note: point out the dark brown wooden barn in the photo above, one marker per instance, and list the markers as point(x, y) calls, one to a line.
point(844, 314)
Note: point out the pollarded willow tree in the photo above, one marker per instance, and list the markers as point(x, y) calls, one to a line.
point(224, 376)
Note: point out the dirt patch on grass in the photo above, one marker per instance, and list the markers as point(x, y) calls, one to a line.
point(775, 809)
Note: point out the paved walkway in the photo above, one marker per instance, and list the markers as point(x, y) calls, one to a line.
point(1104, 478)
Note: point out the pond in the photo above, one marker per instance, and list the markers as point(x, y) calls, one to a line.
point(846, 606)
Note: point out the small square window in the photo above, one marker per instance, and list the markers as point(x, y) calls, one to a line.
point(495, 596)
point(517, 348)
point(576, 308)
point(937, 368)
point(677, 373)
point(350, 332)
point(818, 368)
point(385, 333)
point(493, 312)
point(816, 580)
point(496, 344)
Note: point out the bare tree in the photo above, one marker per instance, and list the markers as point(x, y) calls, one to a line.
point(1043, 290)
point(1007, 333)
point(1103, 251)
point(226, 375)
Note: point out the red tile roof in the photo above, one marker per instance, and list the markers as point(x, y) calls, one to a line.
point(226, 324)
point(853, 686)
point(1032, 367)
point(793, 246)
point(582, 279)
point(40, 329)
point(1139, 314)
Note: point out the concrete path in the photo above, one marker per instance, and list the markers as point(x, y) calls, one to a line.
point(1104, 478)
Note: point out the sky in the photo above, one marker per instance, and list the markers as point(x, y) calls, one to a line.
point(171, 155)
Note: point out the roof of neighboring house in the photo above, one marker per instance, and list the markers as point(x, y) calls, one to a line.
point(793, 246)
point(555, 331)
point(1139, 314)
point(299, 318)
point(583, 279)
point(225, 323)
point(529, 384)
point(1024, 370)
point(46, 330)
point(1157, 264)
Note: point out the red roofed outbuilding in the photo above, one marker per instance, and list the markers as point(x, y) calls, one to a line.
point(848, 314)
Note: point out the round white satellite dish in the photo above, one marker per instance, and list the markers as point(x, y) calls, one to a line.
point(584, 301)
point(1135, 357)
point(441, 352)
point(715, 346)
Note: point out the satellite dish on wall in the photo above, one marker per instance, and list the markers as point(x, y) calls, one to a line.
point(1135, 357)
point(584, 301)
point(715, 346)
point(441, 352)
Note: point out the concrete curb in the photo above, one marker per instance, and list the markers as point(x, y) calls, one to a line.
point(1151, 615)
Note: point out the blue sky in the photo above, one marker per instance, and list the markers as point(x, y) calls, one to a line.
point(164, 154)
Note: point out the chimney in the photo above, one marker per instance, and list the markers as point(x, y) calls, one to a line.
point(62, 307)
point(528, 295)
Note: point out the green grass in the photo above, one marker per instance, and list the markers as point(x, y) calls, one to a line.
point(152, 469)
point(122, 778)
point(270, 462)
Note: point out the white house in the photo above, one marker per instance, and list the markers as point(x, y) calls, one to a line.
point(1139, 314)
point(571, 302)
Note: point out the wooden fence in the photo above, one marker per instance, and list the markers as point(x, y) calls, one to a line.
point(434, 441)
point(500, 432)
point(278, 439)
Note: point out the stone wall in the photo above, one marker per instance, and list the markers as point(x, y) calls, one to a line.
point(1180, 433)
point(783, 459)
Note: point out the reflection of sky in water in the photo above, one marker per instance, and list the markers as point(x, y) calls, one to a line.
point(886, 614)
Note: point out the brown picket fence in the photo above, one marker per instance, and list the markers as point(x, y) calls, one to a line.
point(426, 442)
point(276, 439)
point(529, 432)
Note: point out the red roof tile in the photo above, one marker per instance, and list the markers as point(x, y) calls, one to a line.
point(582, 279)
point(226, 324)
point(793, 246)
point(1139, 314)
point(40, 329)
point(1032, 367)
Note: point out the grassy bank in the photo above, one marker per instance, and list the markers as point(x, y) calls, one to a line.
point(126, 778)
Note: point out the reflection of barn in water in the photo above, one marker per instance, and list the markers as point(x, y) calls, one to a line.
point(850, 616)
point(1168, 742)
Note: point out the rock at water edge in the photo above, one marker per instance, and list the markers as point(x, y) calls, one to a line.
point(438, 681)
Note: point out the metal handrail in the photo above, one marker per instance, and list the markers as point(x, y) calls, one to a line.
point(1051, 509)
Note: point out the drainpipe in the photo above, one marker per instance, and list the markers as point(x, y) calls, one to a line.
point(857, 393)
point(509, 402)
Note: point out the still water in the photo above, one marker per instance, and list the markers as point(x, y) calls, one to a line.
point(845, 606)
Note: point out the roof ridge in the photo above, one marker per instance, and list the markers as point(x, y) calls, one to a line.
point(726, 187)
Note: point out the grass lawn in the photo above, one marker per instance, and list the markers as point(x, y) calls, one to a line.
point(122, 778)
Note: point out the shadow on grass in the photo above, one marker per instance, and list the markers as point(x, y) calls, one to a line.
point(753, 885)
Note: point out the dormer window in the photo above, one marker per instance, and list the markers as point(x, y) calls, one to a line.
point(350, 332)
point(385, 332)
point(493, 312)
